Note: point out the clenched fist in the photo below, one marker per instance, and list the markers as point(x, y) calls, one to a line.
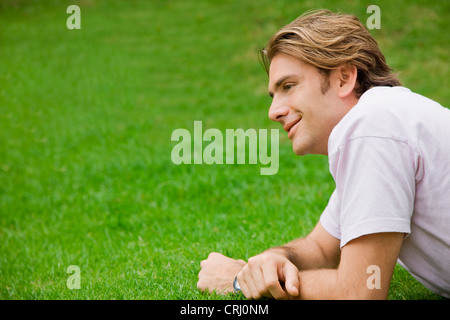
point(218, 272)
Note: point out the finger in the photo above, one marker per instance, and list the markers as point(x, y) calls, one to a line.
point(242, 283)
point(272, 283)
point(292, 283)
point(246, 283)
point(258, 279)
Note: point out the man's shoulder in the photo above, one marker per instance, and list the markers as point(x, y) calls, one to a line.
point(386, 102)
point(376, 114)
point(398, 102)
point(387, 112)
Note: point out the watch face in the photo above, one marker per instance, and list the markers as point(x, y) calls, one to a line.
point(236, 287)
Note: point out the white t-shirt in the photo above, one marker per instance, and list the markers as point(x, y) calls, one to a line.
point(390, 159)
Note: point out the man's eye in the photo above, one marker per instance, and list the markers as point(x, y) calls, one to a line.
point(288, 86)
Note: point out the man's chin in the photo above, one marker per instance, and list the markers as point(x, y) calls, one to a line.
point(301, 149)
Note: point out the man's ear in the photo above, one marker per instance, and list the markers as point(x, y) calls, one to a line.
point(346, 76)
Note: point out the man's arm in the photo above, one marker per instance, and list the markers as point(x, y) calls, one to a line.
point(318, 250)
point(275, 272)
point(317, 279)
point(365, 270)
point(281, 264)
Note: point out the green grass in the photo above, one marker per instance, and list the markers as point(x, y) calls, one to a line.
point(86, 117)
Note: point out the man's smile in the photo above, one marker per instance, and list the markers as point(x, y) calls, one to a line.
point(291, 126)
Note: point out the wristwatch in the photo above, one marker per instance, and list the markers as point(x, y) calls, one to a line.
point(236, 287)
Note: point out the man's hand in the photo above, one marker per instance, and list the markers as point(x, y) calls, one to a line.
point(270, 274)
point(218, 272)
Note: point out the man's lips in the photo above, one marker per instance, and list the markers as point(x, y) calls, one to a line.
point(288, 127)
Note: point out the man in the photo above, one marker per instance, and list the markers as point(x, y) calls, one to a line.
point(389, 154)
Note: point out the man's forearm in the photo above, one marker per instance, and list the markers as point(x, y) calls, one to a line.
point(306, 254)
point(351, 279)
point(329, 284)
point(319, 284)
point(326, 284)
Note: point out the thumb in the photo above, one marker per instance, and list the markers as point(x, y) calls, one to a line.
point(292, 283)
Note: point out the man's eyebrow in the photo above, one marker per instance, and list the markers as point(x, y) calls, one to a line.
point(279, 82)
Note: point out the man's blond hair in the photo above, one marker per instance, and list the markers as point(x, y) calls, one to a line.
point(327, 40)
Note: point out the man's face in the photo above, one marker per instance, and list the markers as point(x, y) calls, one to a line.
point(307, 114)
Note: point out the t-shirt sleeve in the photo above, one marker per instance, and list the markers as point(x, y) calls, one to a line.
point(330, 217)
point(375, 187)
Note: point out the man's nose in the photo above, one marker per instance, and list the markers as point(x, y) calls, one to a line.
point(277, 110)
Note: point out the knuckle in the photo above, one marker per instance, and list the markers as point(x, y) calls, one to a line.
point(253, 262)
point(262, 291)
point(212, 255)
point(279, 295)
point(272, 284)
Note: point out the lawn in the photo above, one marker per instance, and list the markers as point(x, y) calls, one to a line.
point(86, 118)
